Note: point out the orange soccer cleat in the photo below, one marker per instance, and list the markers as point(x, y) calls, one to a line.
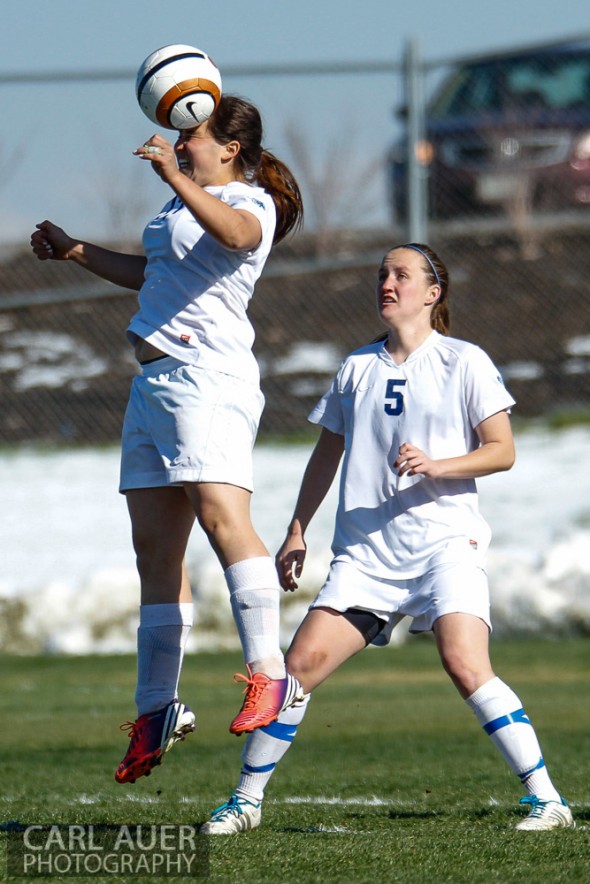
point(265, 700)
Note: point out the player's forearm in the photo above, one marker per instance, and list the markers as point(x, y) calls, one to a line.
point(317, 480)
point(492, 457)
point(314, 488)
point(126, 271)
point(494, 454)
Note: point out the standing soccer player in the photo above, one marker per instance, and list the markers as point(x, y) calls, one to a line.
point(194, 410)
point(419, 416)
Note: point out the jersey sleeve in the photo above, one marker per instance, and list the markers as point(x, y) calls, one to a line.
point(328, 411)
point(253, 200)
point(485, 393)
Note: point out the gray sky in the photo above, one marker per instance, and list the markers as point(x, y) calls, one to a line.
point(65, 148)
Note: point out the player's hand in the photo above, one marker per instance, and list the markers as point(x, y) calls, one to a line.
point(413, 461)
point(161, 154)
point(51, 242)
point(289, 561)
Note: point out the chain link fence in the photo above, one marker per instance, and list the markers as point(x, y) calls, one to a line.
point(492, 168)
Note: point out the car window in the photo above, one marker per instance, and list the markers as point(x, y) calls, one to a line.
point(470, 89)
point(554, 83)
point(549, 81)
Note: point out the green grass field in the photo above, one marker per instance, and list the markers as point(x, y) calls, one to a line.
point(390, 778)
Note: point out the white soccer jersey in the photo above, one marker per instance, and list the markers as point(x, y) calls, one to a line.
point(388, 526)
point(193, 303)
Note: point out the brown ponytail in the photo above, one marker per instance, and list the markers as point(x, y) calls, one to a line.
point(237, 120)
point(440, 318)
point(279, 181)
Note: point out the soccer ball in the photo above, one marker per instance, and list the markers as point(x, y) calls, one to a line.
point(178, 86)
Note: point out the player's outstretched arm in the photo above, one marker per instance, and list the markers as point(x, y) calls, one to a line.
point(50, 242)
point(317, 479)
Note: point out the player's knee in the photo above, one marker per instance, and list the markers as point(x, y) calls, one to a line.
point(216, 520)
point(155, 555)
point(467, 675)
point(305, 662)
point(145, 548)
point(207, 516)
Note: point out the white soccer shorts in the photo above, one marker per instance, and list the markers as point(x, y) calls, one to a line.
point(455, 583)
point(188, 424)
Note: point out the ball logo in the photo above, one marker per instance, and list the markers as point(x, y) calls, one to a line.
point(195, 113)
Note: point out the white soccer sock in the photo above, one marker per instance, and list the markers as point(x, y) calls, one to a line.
point(264, 749)
point(500, 713)
point(161, 640)
point(254, 594)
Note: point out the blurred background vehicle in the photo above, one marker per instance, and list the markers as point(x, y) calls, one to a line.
point(507, 128)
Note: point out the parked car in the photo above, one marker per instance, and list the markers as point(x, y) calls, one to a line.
point(513, 125)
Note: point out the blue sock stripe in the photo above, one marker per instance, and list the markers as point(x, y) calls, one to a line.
point(517, 717)
point(248, 768)
point(280, 731)
point(524, 776)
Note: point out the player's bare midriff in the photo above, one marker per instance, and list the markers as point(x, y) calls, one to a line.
point(144, 351)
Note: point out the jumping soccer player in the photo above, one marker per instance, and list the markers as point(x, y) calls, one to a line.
point(194, 410)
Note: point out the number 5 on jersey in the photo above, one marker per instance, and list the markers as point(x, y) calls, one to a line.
point(396, 397)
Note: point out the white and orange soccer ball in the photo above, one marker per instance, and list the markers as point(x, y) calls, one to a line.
point(178, 86)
